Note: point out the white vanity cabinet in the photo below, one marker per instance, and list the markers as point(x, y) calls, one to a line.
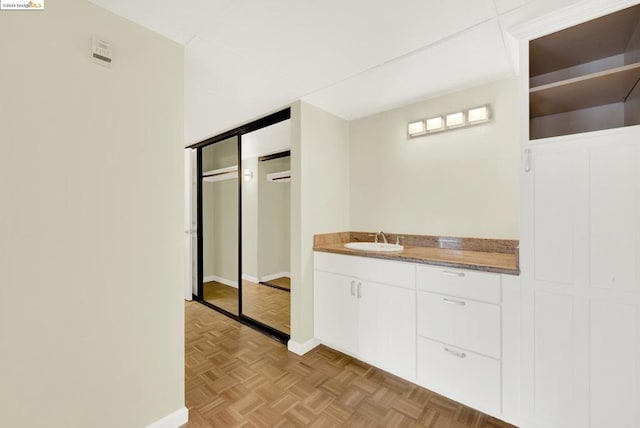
point(366, 308)
point(453, 331)
point(459, 335)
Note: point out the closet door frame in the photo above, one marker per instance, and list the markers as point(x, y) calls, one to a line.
point(263, 122)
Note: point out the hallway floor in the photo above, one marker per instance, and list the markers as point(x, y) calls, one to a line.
point(237, 377)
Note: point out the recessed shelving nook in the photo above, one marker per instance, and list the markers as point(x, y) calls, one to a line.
point(586, 77)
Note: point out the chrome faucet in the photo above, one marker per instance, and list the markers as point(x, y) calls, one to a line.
point(384, 237)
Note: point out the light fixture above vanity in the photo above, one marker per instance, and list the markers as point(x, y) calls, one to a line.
point(478, 115)
point(455, 120)
point(435, 124)
point(459, 119)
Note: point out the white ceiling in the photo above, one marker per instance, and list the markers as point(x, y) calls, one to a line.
point(246, 58)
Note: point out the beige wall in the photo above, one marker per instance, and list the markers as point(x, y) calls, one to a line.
point(319, 200)
point(220, 230)
point(220, 214)
point(266, 227)
point(91, 242)
point(461, 183)
point(274, 227)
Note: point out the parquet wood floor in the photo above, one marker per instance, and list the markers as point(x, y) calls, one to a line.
point(270, 306)
point(282, 282)
point(237, 377)
point(221, 295)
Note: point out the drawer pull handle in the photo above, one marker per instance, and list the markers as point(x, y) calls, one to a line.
point(353, 288)
point(454, 302)
point(451, 273)
point(359, 290)
point(455, 353)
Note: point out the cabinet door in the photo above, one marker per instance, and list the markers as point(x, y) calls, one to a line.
point(614, 282)
point(580, 258)
point(335, 311)
point(387, 327)
point(554, 263)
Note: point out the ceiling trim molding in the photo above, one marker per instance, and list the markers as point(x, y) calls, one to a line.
point(567, 17)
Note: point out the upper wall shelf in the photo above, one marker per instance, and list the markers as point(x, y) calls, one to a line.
point(599, 38)
point(585, 78)
point(605, 87)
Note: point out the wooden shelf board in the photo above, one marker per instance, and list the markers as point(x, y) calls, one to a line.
point(592, 40)
point(605, 87)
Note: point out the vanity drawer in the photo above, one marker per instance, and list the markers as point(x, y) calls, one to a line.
point(464, 376)
point(466, 323)
point(459, 282)
point(400, 274)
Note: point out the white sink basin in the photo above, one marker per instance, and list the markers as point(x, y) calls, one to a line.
point(373, 246)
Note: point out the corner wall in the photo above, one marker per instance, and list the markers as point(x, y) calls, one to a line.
point(319, 202)
point(274, 225)
point(91, 242)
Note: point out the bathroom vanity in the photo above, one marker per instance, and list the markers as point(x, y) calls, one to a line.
point(442, 313)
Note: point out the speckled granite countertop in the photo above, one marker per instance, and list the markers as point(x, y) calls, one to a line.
point(488, 255)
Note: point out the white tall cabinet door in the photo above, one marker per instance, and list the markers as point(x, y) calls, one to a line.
point(387, 338)
point(553, 267)
point(614, 282)
point(335, 310)
point(580, 261)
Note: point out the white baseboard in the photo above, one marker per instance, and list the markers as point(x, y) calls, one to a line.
point(267, 278)
point(250, 278)
point(172, 420)
point(221, 280)
point(302, 348)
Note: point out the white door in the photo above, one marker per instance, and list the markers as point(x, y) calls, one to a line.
point(580, 262)
point(553, 265)
point(190, 225)
point(614, 282)
point(387, 327)
point(335, 310)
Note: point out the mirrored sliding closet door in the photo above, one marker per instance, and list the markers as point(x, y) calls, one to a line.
point(243, 223)
point(220, 224)
point(266, 277)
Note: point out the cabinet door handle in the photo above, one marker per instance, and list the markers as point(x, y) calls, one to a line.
point(359, 290)
point(452, 273)
point(455, 353)
point(527, 164)
point(454, 302)
point(353, 288)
